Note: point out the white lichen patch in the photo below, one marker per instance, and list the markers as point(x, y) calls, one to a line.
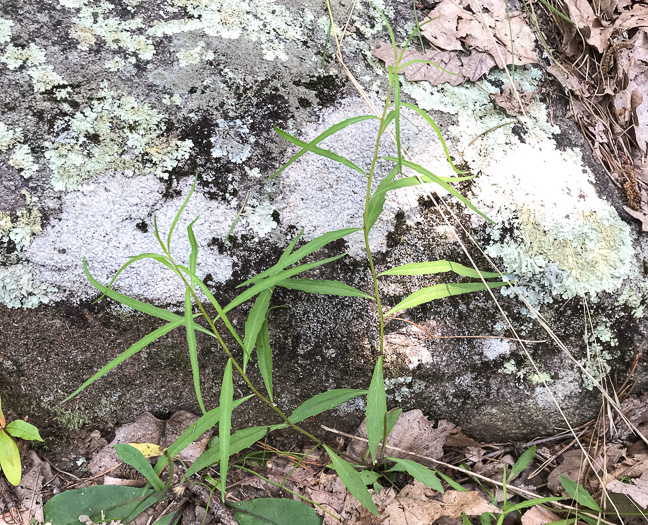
point(266, 22)
point(566, 240)
point(232, 140)
point(410, 344)
point(5, 30)
point(403, 388)
point(93, 22)
point(23, 160)
point(258, 216)
point(494, 348)
point(116, 132)
point(118, 204)
point(42, 75)
point(321, 195)
point(195, 55)
point(17, 289)
point(9, 137)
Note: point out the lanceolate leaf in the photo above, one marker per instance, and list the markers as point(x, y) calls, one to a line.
point(578, 493)
point(377, 200)
point(264, 358)
point(438, 291)
point(275, 511)
point(10, 459)
point(376, 409)
point(136, 459)
point(324, 287)
point(419, 473)
point(320, 151)
point(307, 249)
point(23, 430)
point(425, 268)
point(225, 425)
point(240, 440)
point(333, 129)
point(352, 481)
point(523, 462)
point(255, 320)
point(276, 279)
point(204, 423)
point(289, 249)
point(323, 402)
point(142, 343)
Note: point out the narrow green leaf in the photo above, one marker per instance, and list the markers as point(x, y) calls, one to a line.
point(436, 129)
point(377, 200)
point(289, 249)
point(10, 459)
point(431, 267)
point(438, 291)
point(307, 249)
point(553, 9)
point(23, 430)
point(274, 511)
point(330, 131)
point(322, 402)
point(139, 345)
point(189, 322)
point(253, 324)
point(464, 519)
point(369, 477)
point(202, 425)
point(451, 482)
point(485, 519)
point(264, 358)
point(225, 425)
point(376, 409)
point(579, 494)
point(397, 108)
point(391, 31)
point(529, 503)
point(177, 217)
point(420, 169)
point(276, 279)
point(390, 116)
point(240, 440)
point(319, 151)
point(352, 481)
point(523, 462)
point(138, 461)
point(324, 287)
point(419, 473)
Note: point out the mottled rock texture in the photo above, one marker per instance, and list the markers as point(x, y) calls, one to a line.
point(109, 109)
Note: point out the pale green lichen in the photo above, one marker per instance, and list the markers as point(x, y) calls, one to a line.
point(197, 54)
point(23, 161)
point(232, 140)
point(126, 135)
point(508, 367)
point(33, 57)
point(5, 30)
point(259, 217)
point(9, 137)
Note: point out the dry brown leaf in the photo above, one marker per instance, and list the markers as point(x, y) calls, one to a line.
point(412, 432)
point(632, 467)
point(641, 216)
point(508, 101)
point(638, 491)
point(539, 516)
point(636, 17)
point(572, 467)
point(476, 65)
point(590, 25)
point(415, 504)
point(442, 30)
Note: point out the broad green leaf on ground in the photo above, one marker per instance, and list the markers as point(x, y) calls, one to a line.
point(419, 473)
point(432, 267)
point(376, 409)
point(23, 430)
point(579, 494)
point(10, 459)
point(274, 511)
point(324, 287)
point(101, 503)
point(352, 481)
point(523, 462)
point(438, 291)
point(133, 457)
point(322, 402)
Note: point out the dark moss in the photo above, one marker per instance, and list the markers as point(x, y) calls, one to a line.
point(326, 87)
point(142, 226)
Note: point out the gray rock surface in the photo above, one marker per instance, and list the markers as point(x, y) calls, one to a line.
point(110, 108)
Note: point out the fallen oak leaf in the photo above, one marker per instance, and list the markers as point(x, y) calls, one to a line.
point(638, 492)
point(640, 216)
point(510, 103)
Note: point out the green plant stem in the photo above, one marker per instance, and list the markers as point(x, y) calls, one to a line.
point(238, 367)
point(365, 219)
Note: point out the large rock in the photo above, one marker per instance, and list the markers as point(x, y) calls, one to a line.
point(110, 110)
